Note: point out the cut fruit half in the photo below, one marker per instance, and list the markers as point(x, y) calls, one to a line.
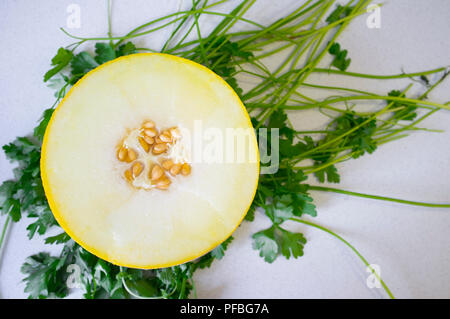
point(150, 161)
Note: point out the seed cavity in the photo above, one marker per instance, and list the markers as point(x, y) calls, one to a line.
point(158, 166)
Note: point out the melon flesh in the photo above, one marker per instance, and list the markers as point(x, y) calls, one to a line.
point(83, 179)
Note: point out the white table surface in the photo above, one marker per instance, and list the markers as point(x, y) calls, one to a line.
point(410, 244)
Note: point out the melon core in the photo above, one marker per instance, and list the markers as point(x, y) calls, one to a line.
point(157, 203)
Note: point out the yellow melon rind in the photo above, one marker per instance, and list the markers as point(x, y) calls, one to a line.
point(59, 216)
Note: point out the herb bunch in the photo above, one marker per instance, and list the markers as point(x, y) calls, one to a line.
point(307, 35)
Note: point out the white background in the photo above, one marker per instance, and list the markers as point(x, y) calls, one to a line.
point(410, 244)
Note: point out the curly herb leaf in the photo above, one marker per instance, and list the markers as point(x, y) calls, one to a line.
point(45, 276)
point(81, 64)
point(104, 53)
point(340, 60)
point(275, 240)
point(126, 49)
point(339, 13)
point(403, 111)
point(60, 61)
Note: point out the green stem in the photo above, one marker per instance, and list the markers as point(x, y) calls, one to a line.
point(108, 3)
point(379, 77)
point(351, 247)
point(5, 227)
point(421, 103)
point(390, 199)
point(308, 68)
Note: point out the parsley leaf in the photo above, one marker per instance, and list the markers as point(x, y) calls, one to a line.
point(81, 64)
point(58, 239)
point(44, 220)
point(360, 140)
point(278, 119)
point(226, 52)
point(329, 173)
point(60, 61)
point(25, 193)
point(339, 13)
point(104, 53)
point(126, 49)
point(265, 242)
point(340, 60)
point(219, 251)
point(275, 240)
point(250, 216)
point(403, 111)
point(39, 131)
point(281, 209)
point(303, 204)
point(45, 276)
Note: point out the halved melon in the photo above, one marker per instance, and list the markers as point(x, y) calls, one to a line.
point(150, 161)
